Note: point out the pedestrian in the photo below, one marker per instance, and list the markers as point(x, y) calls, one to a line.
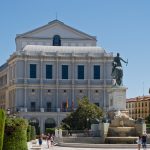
point(52, 140)
point(139, 142)
point(48, 140)
point(40, 140)
point(144, 140)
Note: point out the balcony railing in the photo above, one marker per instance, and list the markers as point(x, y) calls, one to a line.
point(43, 109)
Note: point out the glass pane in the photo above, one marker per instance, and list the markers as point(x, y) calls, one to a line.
point(80, 72)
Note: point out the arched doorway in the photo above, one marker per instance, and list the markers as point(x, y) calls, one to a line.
point(50, 123)
point(35, 122)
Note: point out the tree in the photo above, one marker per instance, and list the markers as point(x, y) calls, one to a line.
point(83, 116)
point(15, 137)
point(147, 119)
point(2, 126)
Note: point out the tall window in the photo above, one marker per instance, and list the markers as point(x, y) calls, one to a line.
point(48, 106)
point(96, 72)
point(56, 40)
point(80, 71)
point(64, 71)
point(32, 70)
point(48, 71)
point(33, 106)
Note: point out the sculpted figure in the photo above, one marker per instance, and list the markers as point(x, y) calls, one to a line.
point(117, 71)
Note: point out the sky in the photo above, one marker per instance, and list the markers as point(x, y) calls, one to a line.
point(120, 26)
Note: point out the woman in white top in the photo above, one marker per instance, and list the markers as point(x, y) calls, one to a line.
point(139, 142)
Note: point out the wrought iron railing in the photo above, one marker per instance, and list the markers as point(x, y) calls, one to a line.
point(13, 110)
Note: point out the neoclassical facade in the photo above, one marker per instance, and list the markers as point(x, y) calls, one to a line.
point(54, 66)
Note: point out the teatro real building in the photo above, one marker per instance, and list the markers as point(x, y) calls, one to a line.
point(54, 66)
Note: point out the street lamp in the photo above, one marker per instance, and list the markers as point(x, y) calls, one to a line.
point(8, 111)
point(87, 123)
point(11, 115)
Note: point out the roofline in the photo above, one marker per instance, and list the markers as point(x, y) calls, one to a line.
point(55, 21)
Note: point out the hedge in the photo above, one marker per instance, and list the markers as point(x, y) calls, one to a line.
point(33, 133)
point(29, 133)
point(50, 130)
point(15, 137)
point(2, 125)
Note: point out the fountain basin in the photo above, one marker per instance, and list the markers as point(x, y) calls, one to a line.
point(120, 140)
point(121, 132)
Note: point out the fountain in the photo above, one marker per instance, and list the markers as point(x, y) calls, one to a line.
point(123, 129)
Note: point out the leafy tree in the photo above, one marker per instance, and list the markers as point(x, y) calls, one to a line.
point(83, 116)
point(147, 119)
point(15, 137)
point(2, 126)
point(33, 133)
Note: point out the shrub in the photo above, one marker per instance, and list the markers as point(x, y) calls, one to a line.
point(33, 134)
point(50, 130)
point(15, 137)
point(29, 133)
point(2, 125)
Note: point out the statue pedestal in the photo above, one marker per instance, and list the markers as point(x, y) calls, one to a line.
point(117, 99)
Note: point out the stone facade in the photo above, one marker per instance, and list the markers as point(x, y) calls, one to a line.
point(46, 100)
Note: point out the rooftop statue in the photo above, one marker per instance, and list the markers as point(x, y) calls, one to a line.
point(117, 71)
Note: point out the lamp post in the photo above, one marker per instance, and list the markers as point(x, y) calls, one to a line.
point(8, 111)
point(87, 123)
point(11, 115)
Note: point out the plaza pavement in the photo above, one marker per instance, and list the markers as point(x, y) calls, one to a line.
point(79, 146)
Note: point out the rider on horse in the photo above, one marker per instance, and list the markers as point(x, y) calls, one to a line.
point(117, 71)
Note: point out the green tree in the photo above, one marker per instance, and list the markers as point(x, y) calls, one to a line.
point(29, 133)
point(147, 119)
point(33, 133)
point(15, 137)
point(2, 125)
point(83, 116)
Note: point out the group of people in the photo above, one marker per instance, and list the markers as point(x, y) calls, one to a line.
point(49, 140)
point(142, 140)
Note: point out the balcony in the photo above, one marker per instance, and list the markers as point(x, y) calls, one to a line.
point(44, 109)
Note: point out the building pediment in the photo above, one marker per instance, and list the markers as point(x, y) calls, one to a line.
point(56, 27)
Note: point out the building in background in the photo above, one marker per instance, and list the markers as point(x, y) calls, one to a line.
point(52, 67)
point(139, 107)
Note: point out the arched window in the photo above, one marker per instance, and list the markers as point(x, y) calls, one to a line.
point(56, 40)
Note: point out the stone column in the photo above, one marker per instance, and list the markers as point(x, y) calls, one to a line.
point(57, 81)
point(41, 85)
point(25, 82)
point(73, 78)
point(89, 77)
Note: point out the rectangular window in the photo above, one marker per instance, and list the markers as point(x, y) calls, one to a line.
point(32, 70)
point(64, 106)
point(48, 106)
point(48, 71)
point(80, 71)
point(96, 71)
point(33, 106)
point(64, 71)
point(97, 104)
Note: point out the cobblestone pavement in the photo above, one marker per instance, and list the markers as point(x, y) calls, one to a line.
point(45, 147)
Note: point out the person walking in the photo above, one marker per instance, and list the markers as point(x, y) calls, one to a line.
point(48, 140)
point(139, 142)
point(144, 140)
point(40, 140)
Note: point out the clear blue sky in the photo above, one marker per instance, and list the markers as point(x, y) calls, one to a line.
point(120, 26)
